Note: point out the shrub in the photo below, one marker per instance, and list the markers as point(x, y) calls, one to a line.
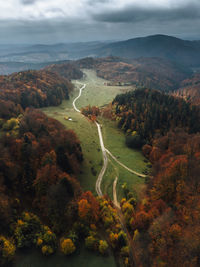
point(134, 141)
point(7, 250)
point(103, 247)
point(91, 243)
point(67, 246)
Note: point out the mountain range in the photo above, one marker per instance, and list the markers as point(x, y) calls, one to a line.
point(171, 48)
point(168, 47)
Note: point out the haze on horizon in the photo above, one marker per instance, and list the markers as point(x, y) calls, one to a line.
point(50, 21)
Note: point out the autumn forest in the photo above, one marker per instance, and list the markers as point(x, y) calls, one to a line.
point(43, 205)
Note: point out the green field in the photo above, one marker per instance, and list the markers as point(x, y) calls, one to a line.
point(96, 93)
point(114, 141)
point(87, 134)
point(84, 258)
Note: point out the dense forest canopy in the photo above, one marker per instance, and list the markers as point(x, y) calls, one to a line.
point(190, 89)
point(66, 70)
point(151, 113)
point(165, 222)
point(41, 202)
point(39, 160)
point(34, 88)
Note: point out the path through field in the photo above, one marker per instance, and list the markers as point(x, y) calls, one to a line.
point(105, 157)
point(100, 177)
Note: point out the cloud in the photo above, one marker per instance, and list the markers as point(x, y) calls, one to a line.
point(63, 20)
point(101, 10)
point(28, 2)
point(135, 13)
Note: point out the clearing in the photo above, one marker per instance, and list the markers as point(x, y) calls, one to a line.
point(97, 93)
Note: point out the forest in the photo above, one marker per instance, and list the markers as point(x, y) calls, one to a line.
point(152, 72)
point(190, 89)
point(150, 113)
point(68, 70)
point(164, 223)
point(41, 202)
point(34, 88)
point(39, 160)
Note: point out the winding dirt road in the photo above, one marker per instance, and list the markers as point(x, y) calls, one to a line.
point(124, 166)
point(105, 161)
point(105, 151)
point(80, 92)
point(105, 157)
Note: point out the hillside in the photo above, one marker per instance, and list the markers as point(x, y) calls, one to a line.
point(165, 221)
point(150, 113)
point(66, 70)
point(34, 88)
point(168, 47)
point(155, 73)
point(190, 89)
point(39, 160)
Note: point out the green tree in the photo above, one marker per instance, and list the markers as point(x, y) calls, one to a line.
point(103, 247)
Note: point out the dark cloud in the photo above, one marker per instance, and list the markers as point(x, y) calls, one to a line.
point(54, 31)
point(28, 2)
point(94, 2)
point(135, 14)
point(98, 20)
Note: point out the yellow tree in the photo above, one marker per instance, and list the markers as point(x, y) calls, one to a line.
point(67, 246)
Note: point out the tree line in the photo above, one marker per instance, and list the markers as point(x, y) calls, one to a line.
point(145, 114)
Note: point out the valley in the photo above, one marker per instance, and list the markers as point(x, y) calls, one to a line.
point(100, 133)
point(97, 93)
point(110, 183)
point(85, 186)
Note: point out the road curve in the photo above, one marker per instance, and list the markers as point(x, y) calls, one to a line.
point(105, 161)
point(124, 166)
point(105, 158)
point(80, 92)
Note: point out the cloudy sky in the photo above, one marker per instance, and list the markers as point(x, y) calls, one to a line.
point(51, 21)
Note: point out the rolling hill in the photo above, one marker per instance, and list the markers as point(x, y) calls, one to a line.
point(66, 70)
point(154, 73)
point(33, 89)
point(190, 89)
point(168, 47)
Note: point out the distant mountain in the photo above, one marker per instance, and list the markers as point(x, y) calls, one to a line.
point(10, 67)
point(163, 46)
point(47, 53)
point(168, 47)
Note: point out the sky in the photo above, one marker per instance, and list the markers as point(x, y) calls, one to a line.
point(53, 21)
